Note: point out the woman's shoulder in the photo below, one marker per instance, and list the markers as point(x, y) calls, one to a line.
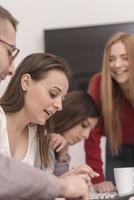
point(2, 115)
point(2, 111)
point(96, 78)
point(94, 81)
point(94, 86)
point(3, 122)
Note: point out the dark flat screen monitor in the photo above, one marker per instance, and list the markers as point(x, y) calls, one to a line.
point(83, 48)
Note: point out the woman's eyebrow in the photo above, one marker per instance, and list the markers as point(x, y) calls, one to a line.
point(88, 122)
point(57, 88)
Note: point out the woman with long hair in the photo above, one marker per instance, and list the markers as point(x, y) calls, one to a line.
point(112, 89)
point(33, 95)
point(73, 123)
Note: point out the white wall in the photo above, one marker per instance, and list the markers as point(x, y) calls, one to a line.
point(37, 15)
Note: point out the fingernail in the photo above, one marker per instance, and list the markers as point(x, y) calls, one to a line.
point(96, 174)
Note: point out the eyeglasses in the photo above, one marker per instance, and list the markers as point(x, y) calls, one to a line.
point(14, 52)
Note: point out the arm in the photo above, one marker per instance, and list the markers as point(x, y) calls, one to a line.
point(62, 159)
point(62, 166)
point(93, 155)
point(93, 158)
point(92, 144)
point(20, 181)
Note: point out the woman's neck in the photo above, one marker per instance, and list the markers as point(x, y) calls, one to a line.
point(16, 121)
point(17, 135)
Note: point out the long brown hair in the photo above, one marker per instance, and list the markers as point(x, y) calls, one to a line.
point(37, 65)
point(110, 90)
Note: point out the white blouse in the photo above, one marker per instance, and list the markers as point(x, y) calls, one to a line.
point(4, 142)
point(32, 156)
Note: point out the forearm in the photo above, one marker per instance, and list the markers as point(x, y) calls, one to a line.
point(20, 181)
point(61, 166)
point(93, 155)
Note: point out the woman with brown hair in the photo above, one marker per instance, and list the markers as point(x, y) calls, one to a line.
point(73, 123)
point(112, 89)
point(33, 95)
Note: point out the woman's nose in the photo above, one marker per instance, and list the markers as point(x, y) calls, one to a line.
point(118, 62)
point(86, 133)
point(58, 104)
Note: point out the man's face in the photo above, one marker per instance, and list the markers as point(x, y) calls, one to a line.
point(7, 34)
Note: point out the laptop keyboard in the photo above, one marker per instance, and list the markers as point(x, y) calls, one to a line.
point(110, 196)
point(101, 196)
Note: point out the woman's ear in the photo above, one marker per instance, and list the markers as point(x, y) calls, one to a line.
point(26, 82)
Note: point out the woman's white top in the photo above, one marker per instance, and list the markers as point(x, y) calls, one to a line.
point(32, 156)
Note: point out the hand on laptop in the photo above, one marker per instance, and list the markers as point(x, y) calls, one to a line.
point(106, 186)
point(84, 169)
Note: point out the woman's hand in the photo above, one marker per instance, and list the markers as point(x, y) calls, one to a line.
point(106, 186)
point(84, 169)
point(57, 142)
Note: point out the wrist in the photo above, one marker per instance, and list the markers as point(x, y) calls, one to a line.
point(63, 158)
point(62, 186)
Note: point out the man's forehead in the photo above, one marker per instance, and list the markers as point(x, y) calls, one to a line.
point(7, 31)
point(3, 24)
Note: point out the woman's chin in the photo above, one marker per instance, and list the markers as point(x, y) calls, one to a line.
point(42, 122)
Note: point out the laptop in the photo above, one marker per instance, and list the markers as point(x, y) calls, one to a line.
point(111, 196)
